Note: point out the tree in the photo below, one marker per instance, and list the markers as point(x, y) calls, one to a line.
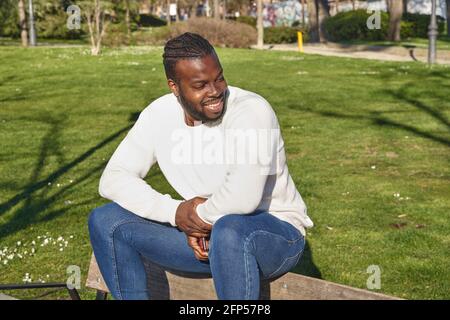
point(303, 12)
point(447, 3)
point(318, 11)
point(259, 24)
point(216, 9)
point(395, 9)
point(96, 14)
point(23, 23)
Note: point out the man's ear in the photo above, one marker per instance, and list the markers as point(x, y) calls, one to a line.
point(173, 87)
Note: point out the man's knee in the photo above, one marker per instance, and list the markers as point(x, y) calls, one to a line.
point(228, 231)
point(104, 217)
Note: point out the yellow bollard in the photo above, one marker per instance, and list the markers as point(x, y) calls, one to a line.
point(300, 41)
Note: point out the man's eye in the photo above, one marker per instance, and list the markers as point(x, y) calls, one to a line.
point(199, 86)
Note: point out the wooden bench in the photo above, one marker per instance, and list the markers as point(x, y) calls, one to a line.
point(165, 285)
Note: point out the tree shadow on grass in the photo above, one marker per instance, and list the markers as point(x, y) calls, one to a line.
point(379, 118)
point(34, 199)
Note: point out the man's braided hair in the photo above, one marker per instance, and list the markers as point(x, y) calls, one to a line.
point(186, 46)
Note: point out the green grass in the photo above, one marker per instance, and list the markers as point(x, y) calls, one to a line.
point(63, 112)
point(442, 43)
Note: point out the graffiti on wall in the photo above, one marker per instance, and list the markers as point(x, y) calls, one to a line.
point(282, 13)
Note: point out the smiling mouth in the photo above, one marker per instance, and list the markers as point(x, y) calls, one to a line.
point(214, 106)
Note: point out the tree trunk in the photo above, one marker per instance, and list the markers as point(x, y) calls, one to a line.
point(168, 13)
point(324, 12)
point(97, 27)
point(405, 6)
point(337, 6)
point(127, 19)
point(259, 24)
point(224, 13)
point(318, 11)
point(216, 9)
point(303, 12)
point(395, 8)
point(313, 21)
point(354, 4)
point(23, 24)
point(447, 3)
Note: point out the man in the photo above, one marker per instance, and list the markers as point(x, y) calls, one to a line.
point(243, 202)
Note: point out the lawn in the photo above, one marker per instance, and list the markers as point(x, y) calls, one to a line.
point(367, 144)
point(442, 43)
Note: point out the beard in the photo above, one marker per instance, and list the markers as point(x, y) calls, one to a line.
point(198, 115)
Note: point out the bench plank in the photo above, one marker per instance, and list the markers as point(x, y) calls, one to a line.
point(178, 286)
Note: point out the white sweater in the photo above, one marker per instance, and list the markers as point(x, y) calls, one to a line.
point(217, 161)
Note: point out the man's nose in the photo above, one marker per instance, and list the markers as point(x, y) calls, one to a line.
point(213, 91)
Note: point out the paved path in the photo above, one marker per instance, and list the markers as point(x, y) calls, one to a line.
point(5, 297)
point(385, 53)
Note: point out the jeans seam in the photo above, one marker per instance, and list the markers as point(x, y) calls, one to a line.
point(111, 236)
point(282, 264)
point(251, 236)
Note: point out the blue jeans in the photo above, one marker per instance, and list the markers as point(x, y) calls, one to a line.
point(243, 249)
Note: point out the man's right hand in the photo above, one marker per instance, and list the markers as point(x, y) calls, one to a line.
point(188, 221)
point(199, 252)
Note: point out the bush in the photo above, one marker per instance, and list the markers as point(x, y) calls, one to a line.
point(251, 21)
point(416, 25)
point(352, 25)
point(152, 36)
point(275, 35)
point(218, 32)
point(116, 35)
point(149, 20)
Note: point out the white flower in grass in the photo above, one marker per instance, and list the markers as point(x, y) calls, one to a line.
point(60, 238)
point(33, 251)
point(33, 243)
point(61, 249)
point(19, 255)
point(71, 237)
point(5, 262)
point(373, 167)
point(19, 243)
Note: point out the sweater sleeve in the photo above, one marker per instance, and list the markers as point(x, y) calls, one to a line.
point(243, 186)
point(123, 182)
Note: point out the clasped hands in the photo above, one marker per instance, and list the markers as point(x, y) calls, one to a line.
point(188, 221)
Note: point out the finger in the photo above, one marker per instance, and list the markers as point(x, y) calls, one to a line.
point(199, 224)
point(200, 234)
point(199, 254)
point(198, 200)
